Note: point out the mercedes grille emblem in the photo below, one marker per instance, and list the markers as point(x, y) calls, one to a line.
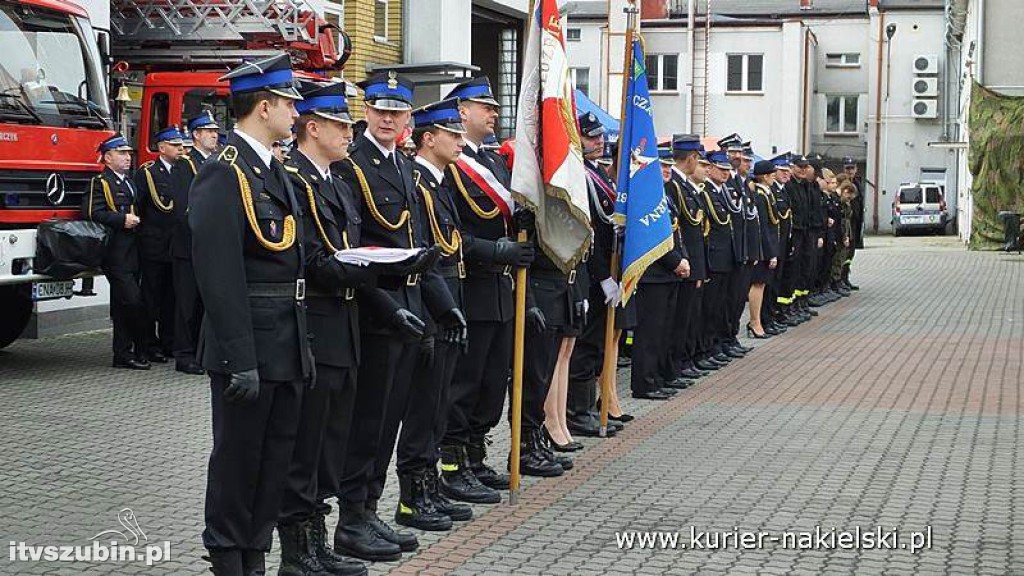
point(55, 189)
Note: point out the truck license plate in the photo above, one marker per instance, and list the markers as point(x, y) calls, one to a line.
point(53, 290)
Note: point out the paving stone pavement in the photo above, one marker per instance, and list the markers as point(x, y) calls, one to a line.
point(897, 407)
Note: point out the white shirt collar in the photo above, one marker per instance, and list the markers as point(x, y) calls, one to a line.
point(472, 147)
point(679, 172)
point(204, 155)
point(434, 170)
point(262, 151)
point(387, 153)
point(166, 164)
point(325, 173)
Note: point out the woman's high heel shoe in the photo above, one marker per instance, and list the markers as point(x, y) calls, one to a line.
point(568, 447)
point(752, 334)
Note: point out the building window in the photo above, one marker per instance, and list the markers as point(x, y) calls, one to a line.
point(334, 14)
point(581, 79)
point(843, 60)
point(159, 112)
point(745, 73)
point(508, 81)
point(380, 20)
point(841, 114)
point(572, 34)
point(663, 72)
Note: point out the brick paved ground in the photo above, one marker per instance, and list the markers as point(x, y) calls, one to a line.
point(897, 407)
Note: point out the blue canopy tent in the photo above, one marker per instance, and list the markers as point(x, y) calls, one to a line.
point(584, 105)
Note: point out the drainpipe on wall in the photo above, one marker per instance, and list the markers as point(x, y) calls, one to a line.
point(690, 43)
point(980, 59)
point(805, 127)
point(878, 123)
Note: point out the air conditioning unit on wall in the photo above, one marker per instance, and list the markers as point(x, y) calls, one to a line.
point(926, 64)
point(926, 87)
point(925, 109)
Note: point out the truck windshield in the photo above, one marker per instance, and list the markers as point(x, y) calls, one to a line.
point(49, 69)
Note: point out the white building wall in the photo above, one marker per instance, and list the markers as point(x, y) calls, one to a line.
point(903, 141)
point(587, 53)
point(669, 106)
point(840, 36)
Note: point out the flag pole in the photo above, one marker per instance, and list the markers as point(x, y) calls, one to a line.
point(516, 408)
point(610, 334)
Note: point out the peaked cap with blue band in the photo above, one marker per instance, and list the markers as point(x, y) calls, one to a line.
point(325, 100)
point(171, 135)
point(590, 125)
point(443, 114)
point(202, 122)
point(665, 154)
point(115, 142)
point(272, 74)
point(387, 91)
point(475, 90)
point(781, 161)
point(720, 159)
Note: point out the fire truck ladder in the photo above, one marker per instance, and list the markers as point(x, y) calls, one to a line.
point(211, 32)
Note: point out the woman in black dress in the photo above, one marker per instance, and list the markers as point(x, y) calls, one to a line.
point(764, 176)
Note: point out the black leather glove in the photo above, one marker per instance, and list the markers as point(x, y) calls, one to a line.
point(455, 329)
point(409, 326)
point(535, 318)
point(525, 220)
point(243, 387)
point(427, 351)
point(518, 254)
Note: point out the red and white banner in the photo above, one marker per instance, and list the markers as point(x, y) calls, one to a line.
point(549, 175)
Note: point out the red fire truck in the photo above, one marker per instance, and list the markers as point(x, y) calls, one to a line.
point(175, 52)
point(53, 114)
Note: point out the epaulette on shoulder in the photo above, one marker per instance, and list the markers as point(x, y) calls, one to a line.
point(229, 154)
point(147, 164)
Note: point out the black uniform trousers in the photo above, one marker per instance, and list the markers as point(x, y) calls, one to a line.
point(656, 304)
point(793, 276)
point(481, 382)
point(382, 354)
point(587, 359)
point(811, 260)
point(324, 420)
point(158, 295)
point(739, 289)
point(715, 311)
point(682, 325)
point(446, 359)
point(252, 448)
point(188, 309)
point(540, 353)
point(127, 314)
point(693, 347)
point(408, 363)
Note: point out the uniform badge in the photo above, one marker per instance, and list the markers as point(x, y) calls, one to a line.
point(392, 79)
point(264, 196)
point(256, 170)
point(273, 228)
point(376, 162)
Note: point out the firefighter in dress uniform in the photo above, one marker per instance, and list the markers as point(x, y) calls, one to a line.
point(155, 181)
point(396, 320)
point(113, 202)
point(248, 252)
point(481, 180)
point(187, 305)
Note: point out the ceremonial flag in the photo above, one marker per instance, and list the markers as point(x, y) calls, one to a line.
point(640, 206)
point(548, 174)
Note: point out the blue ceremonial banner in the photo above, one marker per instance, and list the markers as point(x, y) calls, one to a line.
point(640, 206)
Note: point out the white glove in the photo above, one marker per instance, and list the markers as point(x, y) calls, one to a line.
point(612, 292)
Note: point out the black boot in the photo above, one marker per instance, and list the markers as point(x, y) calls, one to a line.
point(407, 542)
point(532, 461)
point(415, 508)
point(459, 482)
point(457, 511)
point(297, 556)
point(543, 444)
point(225, 562)
point(476, 451)
point(355, 537)
point(333, 562)
point(254, 562)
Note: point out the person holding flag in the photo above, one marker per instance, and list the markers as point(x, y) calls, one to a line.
point(647, 217)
